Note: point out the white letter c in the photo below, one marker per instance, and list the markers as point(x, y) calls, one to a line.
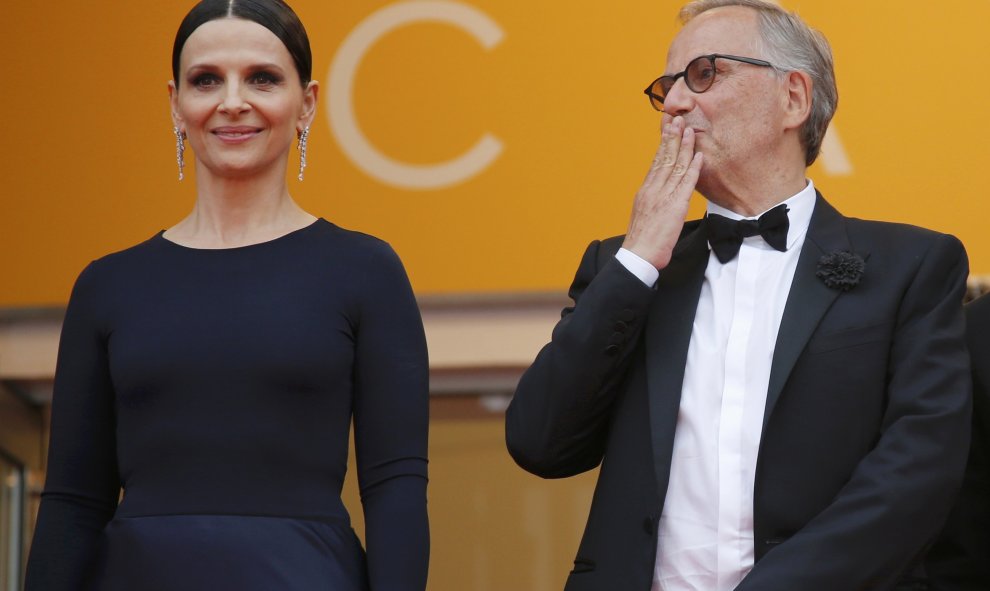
point(344, 125)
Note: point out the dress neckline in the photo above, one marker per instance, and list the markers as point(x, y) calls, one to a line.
point(160, 237)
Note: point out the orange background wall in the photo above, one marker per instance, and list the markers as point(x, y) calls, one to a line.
point(88, 166)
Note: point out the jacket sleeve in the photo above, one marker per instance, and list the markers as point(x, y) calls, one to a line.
point(899, 494)
point(556, 424)
point(959, 559)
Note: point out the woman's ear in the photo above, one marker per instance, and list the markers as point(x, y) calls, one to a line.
point(173, 100)
point(311, 96)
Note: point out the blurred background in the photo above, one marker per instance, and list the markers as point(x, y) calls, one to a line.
point(488, 141)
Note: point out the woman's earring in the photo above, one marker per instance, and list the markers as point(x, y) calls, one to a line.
point(180, 148)
point(303, 136)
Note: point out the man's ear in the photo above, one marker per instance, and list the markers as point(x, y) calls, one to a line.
point(797, 106)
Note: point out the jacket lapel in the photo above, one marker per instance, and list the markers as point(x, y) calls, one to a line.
point(808, 299)
point(667, 336)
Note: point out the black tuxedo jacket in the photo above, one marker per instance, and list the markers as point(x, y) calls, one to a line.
point(866, 424)
point(960, 560)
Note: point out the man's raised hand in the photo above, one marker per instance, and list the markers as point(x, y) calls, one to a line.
point(662, 201)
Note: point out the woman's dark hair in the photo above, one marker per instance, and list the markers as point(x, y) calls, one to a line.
point(274, 15)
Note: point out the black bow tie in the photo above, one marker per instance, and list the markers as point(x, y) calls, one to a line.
point(726, 235)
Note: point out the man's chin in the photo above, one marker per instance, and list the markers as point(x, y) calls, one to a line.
point(706, 182)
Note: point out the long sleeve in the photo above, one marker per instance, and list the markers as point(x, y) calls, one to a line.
point(556, 422)
point(82, 484)
point(391, 415)
point(960, 559)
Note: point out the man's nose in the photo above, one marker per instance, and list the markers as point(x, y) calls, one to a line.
point(679, 99)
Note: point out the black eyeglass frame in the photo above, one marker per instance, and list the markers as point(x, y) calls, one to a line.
point(711, 57)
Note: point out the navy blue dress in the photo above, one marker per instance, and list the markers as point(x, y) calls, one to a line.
point(217, 389)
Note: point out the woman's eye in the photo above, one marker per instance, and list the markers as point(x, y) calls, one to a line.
point(206, 81)
point(265, 79)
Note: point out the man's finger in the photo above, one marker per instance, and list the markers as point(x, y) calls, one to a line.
point(666, 155)
point(684, 154)
point(690, 179)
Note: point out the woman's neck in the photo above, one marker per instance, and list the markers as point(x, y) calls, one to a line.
point(232, 212)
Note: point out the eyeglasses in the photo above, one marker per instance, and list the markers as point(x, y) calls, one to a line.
point(699, 76)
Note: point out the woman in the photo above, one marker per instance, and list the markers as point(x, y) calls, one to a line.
point(212, 371)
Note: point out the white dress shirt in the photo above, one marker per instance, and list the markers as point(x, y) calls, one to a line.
point(706, 527)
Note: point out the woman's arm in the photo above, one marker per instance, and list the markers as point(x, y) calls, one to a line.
point(391, 421)
point(82, 483)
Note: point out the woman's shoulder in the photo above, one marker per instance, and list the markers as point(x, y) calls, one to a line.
point(370, 262)
point(132, 257)
point(353, 238)
point(355, 245)
point(102, 282)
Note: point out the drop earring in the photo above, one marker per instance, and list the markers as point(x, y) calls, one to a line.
point(303, 136)
point(180, 148)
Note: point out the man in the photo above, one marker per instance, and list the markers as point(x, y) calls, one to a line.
point(778, 411)
point(960, 560)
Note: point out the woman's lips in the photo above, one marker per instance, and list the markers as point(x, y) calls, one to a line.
point(236, 134)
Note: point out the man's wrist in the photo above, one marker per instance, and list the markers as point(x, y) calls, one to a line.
point(638, 266)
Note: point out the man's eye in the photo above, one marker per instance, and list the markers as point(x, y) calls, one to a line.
point(704, 74)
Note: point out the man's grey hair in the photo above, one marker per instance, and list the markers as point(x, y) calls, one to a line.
point(791, 45)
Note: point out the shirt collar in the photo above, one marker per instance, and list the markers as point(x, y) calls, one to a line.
point(799, 209)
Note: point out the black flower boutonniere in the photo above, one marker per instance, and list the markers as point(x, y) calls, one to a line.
point(840, 269)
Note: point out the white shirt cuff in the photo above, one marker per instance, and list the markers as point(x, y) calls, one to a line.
point(636, 265)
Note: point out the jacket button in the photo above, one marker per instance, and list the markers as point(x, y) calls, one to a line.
point(612, 349)
point(648, 525)
point(620, 326)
